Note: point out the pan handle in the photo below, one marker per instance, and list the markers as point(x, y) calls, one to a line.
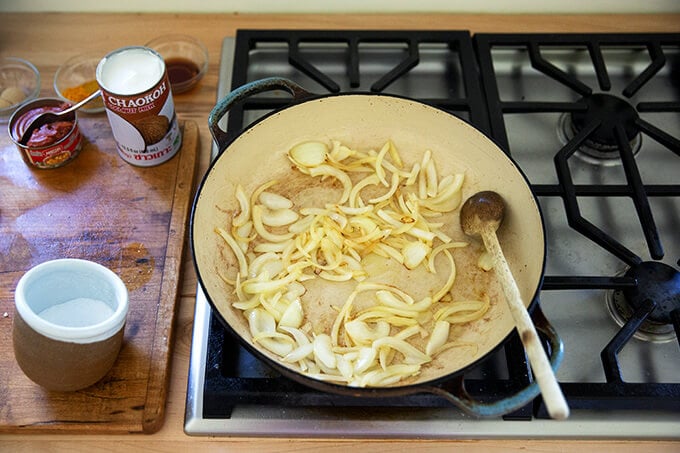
point(459, 396)
point(242, 93)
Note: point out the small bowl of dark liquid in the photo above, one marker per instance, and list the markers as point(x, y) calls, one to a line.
point(186, 60)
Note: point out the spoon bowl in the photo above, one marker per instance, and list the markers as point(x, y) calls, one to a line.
point(481, 211)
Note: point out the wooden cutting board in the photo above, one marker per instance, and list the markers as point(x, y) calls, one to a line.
point(130, 219)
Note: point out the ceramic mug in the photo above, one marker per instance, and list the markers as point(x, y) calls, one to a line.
point(69, 323)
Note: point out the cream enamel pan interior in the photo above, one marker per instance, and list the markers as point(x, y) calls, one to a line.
point(366, 121)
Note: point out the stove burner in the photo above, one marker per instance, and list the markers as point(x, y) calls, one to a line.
point(611, 111)
point(658, 282)
point(602, 147)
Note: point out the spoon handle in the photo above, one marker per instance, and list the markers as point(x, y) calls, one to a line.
point(540, 365)
point(81, 103)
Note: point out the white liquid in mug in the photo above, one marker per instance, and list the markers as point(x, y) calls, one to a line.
point(80, 312)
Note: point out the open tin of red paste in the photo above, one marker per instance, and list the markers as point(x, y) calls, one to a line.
point(53, 144)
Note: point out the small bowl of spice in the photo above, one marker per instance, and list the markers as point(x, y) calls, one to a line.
point(19, 83)
point(75, 80)
point(186, 60)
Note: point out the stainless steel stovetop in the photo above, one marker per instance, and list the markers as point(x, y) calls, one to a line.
point(538, 92)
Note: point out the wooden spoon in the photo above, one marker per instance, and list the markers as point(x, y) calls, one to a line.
point(481, 215)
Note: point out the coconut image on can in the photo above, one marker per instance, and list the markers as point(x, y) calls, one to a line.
point(139, 105)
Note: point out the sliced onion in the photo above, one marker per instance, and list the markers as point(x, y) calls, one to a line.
point(244, 206)
point(308, 154)
point(342, 314)
point(299, 336)
point(413, 176)
point(389, 252)
point(370, 180)
point(262, 231)
point(260, 321)
point(440, 248)
point(379, 170)
point(389, 300)
point(267, 247)
point(374, 286)
point(247, 304)
point(374, 345)
point(486, 261)
point(302, 224)
point(293, 316)
point(422, 176)
point(377, 311)
point(344, 366)
point(233, 245)
point(273, 304)
point(362, 334)
point(389, 375)
point(394, 154)
point(337, 277)
point(323, 350)
point(414, 253)
point(300, 353)
point(384, 315)
point(279, 217)
point(257, 264)
point(275, 201)
point(449, 282)
point(419, 233)
point(327, 170)
point(254, 286)
point(387, 195)
point(347, 210)
point(431, 179)
point(451, 191)
point(365, 360)
point(340, 152)
point(463, 311)
point(275, 342)
point(412, 355)
point(439, 337)
point(242, 235)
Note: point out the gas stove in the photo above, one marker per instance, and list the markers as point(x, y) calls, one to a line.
point(593, 121)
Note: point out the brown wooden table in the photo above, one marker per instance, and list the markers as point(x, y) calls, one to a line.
point(47, 39)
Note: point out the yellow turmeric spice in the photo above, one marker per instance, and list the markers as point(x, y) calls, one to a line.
point(80, 92)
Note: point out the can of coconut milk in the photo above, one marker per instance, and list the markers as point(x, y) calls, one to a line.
point(136, 92)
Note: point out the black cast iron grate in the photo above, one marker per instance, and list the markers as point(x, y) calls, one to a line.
point(605, 117)
point(234, 377)
point(463, 93)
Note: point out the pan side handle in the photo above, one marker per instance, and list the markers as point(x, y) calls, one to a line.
point(458, 395)
point(244, 92)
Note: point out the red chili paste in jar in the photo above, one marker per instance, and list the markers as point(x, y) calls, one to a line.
point(52, 145)
point(47, 134)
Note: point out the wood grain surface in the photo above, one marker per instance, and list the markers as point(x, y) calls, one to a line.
point(49, 39)
point(130, 219)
